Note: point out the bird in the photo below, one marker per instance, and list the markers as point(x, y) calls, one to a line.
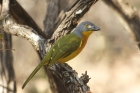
point(67, 47)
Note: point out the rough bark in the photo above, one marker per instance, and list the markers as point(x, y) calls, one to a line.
point(7, 74)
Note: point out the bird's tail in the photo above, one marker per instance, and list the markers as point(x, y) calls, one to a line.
point(34, 72)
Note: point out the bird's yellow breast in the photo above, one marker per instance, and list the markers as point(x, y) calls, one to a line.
point(79, 49)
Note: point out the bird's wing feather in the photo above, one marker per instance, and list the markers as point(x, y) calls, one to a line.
point(64, 47)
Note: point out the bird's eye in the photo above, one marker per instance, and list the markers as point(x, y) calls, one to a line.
point(86, 25)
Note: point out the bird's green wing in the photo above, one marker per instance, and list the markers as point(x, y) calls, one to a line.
point(63, 47)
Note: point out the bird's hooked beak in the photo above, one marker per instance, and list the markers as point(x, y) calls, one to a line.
point(94, 28)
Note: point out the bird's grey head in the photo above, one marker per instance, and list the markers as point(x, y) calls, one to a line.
point(85, 26)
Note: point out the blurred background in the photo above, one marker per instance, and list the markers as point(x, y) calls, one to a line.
point(111, 56)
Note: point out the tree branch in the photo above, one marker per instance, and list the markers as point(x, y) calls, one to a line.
point(22, 17)
point(24, 31)
point(128, 17)
point(7, 74)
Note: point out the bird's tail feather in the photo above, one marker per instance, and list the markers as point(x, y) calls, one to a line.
point(34, 72)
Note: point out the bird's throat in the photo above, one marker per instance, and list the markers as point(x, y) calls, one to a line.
point(85, 38)
point(87, 33)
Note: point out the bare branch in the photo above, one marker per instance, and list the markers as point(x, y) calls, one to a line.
point(127, 15)
point(5, 9)
point(50, 19)
point(22, 17)
point(24, 31)
point(7, 74)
